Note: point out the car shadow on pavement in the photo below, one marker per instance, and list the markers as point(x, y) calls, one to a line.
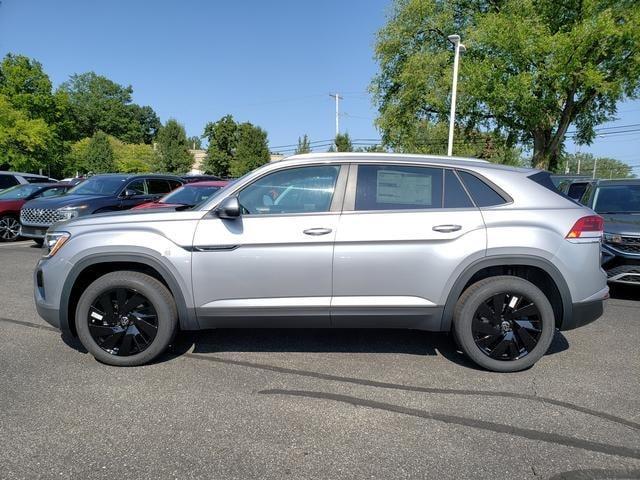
point(407, 342)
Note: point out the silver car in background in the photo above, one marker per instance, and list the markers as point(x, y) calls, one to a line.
point(491, 253)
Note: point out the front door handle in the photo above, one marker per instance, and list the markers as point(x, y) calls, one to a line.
point(446, 228)
point(316, 231)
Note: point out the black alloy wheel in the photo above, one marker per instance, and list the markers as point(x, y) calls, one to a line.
point(507, 326)
point(9, 228)
point(122, 322)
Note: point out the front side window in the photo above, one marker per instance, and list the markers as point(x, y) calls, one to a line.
point(137, 186)
point(398, 187)
point(294, 190)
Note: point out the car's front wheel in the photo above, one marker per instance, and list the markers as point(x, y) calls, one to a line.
point(9, 228)
point(504, 323)
point(126, 318)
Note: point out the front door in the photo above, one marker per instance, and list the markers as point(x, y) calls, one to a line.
point(272, 265)
point(404, 232)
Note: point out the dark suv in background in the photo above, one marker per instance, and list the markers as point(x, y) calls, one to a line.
point(618, 202)
point(98, 194)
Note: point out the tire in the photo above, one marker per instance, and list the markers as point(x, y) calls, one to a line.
point(38, 241)
point(126, 329)
point(9, 228)
point(514, 338)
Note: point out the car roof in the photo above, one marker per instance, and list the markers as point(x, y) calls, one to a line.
point(342, 157)
point(621, 181)
point(207, 183)
point(21, 174)
point(138, 175)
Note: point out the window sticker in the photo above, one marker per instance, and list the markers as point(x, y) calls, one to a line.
point(403, 188)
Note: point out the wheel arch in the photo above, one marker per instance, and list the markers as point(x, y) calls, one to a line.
point(542, 271)
point(96, 265)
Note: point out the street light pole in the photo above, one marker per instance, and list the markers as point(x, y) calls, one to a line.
point(459, 48)
point(338, 98)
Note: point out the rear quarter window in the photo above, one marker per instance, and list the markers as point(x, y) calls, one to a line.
point(483, 195)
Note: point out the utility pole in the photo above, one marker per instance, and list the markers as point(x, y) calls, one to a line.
point(338, 98)
point(459, 48)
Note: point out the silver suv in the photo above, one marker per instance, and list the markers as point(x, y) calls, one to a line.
point(493, 254)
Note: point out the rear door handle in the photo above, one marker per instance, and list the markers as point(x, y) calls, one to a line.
point(316, 231)
point(446, 228)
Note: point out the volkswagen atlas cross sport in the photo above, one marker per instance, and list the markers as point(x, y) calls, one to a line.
point(491, 253)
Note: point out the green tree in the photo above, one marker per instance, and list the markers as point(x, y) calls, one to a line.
point(343, 142)
point(532, 68)
point(24, 142)
point(605, 167)
point(98, 103)
point(252, 149)
point(222, 137)
point(41, 116)
point(173, 149)
point(303, 145)
point(194, 142)
point(98, 156)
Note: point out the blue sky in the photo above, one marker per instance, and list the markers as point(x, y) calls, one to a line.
point(273, 63)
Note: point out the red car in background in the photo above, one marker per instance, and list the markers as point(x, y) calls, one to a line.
point(188, 195)
point(12, 199)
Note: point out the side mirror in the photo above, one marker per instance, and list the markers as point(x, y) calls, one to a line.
point(229, 209)
point(129, 193)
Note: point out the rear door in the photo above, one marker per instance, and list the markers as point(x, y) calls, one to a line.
point(404, 233)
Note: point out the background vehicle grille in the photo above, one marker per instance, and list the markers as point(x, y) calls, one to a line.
point(625, 273)
point(39, 216)
point(628, 245)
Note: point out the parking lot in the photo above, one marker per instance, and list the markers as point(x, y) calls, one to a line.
point(314, 404)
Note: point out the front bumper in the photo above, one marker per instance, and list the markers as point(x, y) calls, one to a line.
point(35, 232)
point(46, 294)
point(621, 267)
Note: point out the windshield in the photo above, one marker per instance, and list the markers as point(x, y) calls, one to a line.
point(19, 191)
point(617, 199)
point(98, 186)
point(190, 195)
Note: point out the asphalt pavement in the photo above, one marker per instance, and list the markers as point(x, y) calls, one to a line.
point(314, 404)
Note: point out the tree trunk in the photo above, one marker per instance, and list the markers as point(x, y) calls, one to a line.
point(546, 150)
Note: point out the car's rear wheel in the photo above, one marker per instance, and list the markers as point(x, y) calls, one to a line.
point(504, 323)
point(126, 318)
point(9, 228)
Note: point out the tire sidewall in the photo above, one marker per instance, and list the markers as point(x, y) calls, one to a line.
point(149, 287)
point(480, 292)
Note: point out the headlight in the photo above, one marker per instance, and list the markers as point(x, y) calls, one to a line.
point(67, 213)
point(54, 242)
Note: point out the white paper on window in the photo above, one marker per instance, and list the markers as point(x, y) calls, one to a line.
point(403, 188)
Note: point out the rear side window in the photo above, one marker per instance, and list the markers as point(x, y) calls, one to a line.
point(173, 184)
point(158, 186)
point(454, 194)
point(398, 187)
point(37, 180)
point(576, 190)
point(483, 195)
point(7, 181)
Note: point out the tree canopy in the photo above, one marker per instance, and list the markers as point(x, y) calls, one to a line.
point(98, 156)
point(605, 167)
point(173, 149)
point(98, 103)
point(532, 68)
point(234, 148)
point(303, 145)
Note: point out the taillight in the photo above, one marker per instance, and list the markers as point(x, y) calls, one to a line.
point(590, 226)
